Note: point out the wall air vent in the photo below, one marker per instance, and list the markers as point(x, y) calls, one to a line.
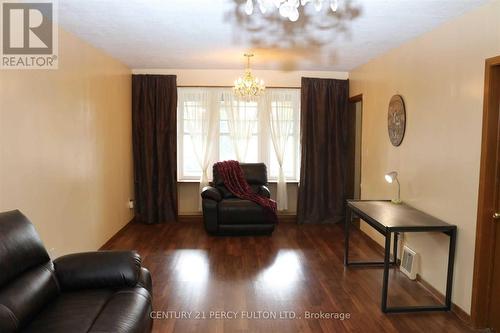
point(409, 263)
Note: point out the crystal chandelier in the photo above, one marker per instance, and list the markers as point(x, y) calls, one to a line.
point(248, 85)
point(287, 8)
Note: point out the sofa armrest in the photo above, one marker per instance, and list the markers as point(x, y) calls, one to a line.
point(145, 280)
point(210, 215)
point(264, 191)
point(211, 193)
point(101, 269)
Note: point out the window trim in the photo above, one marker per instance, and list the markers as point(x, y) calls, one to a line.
point(265, 149)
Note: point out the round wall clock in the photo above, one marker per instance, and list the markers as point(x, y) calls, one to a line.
point(396, 120)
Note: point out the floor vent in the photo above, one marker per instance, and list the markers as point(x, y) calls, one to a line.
point(409, 263)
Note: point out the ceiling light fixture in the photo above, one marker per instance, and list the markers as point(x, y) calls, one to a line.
point(288, 8)
point(248, 86)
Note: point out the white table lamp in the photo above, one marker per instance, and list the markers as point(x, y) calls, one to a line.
point(390, 178)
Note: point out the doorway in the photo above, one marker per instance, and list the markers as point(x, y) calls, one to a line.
point(353, 176)
point(485, 311)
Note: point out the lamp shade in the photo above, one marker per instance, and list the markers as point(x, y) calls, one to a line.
point(391, 176)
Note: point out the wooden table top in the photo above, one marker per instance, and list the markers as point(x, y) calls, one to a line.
point(397, 216)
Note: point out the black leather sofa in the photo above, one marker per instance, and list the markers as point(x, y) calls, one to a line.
point(224, 214)
point(105, 291)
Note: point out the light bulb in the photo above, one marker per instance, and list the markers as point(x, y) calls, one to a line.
point(294, 15)
point(249, 7)
point(318, 4)
point(285, 9)
point(334, 5)
point(391, 176)
point(262, 6)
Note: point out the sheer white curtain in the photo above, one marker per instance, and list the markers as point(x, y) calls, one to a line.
point(242, 117)
point(281, 108)
point(201, 117)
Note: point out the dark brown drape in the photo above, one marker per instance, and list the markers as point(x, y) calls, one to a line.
point(154, 135)
point(324, 125)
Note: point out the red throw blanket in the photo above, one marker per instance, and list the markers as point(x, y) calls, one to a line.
point(234, 180)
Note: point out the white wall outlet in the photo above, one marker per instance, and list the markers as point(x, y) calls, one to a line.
point(131, 204)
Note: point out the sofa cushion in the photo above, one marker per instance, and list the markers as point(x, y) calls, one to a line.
point(23, 298)
point(72, 312)
point(255, 174)
point(127, 311)
point(226, 194)
point(100, 310)
point(238, 211)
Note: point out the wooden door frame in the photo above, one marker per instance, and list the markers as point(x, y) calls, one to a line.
point(356, 98)
point(485, 235)
point(352, 100)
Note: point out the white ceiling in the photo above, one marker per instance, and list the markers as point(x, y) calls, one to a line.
point(214, 34)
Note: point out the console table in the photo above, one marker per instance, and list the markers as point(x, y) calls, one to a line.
point(388, 218)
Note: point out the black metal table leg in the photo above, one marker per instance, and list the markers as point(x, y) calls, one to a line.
point(449, 283)
point(385, 281)
point(348, 215)
point(395, 249)
point(451, 262)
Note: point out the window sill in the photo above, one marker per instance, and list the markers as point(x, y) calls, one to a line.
point(187, 181)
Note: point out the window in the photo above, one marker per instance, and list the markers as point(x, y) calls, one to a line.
point(291, 162)
point(190, 133)
point(250, 119)
point(239, 125)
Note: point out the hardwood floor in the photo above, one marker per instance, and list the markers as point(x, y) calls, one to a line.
point(297, 270)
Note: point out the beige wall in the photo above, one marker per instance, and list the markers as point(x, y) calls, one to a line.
point(440, 76)
point(188, 191)
point(65, 146)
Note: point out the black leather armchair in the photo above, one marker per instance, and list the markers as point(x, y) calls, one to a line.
point(224, 214)
point(106, 291)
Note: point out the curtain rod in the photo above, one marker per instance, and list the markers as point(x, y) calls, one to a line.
point(200, 86)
